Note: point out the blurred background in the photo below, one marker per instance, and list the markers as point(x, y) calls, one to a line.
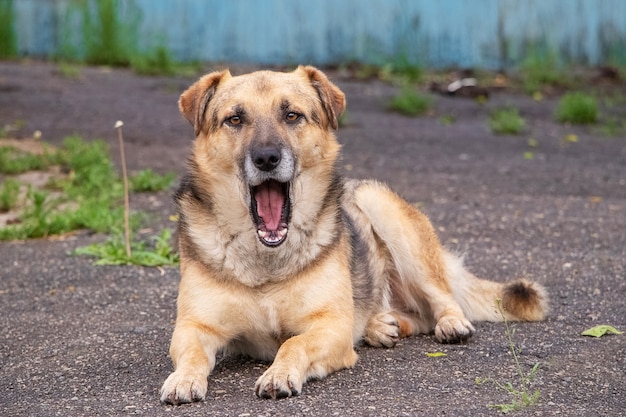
point(148, 34)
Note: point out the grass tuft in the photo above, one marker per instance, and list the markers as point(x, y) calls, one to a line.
point(522, 397)
point(159, 62)
point(15, 161)
point(577, 108)
point(113, 252)
point(409, 102)
point(9, 193)
point(506, 121)
point(540, 69)
point(149, 181)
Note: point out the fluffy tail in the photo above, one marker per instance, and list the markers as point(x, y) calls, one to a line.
point(480, 299)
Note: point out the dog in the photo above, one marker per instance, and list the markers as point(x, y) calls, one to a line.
point(283, 260)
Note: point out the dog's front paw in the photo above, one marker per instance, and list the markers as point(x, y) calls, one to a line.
point(382, 330)
point(452, 329)
point(180, 388)
point(276, 383)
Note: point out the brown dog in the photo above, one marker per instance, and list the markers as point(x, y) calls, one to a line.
point(283, 260)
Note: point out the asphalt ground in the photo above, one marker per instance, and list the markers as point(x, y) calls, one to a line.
point(81, 340)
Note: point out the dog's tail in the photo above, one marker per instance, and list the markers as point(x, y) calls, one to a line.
point(480, 299)
point(428, 277)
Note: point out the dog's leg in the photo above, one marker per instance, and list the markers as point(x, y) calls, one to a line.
point(385, 329)
point(193, 350)
point(324, 348)
point(421, 282)
point(198, 335)
point(382, 330)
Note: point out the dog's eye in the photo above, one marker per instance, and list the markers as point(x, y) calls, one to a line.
point(234, 120)
point(292, 116)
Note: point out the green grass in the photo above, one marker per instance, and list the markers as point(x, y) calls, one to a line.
point(8, 38)
point(110, 36)
point(612, 126)
point(158, 252)
point(401, 68)
point(409, 102)
point(577, 108)
point(506, 121)
point(149, 181)
point(108, 39)
point(9, 192)
point(522, 397)
point(88, 197)
point(87, 194)
point(540, 69)
point(69, 70)
point(159, 62)
point(15, 161)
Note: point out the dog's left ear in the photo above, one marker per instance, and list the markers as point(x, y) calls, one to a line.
point(194, 101)
point(333, 99)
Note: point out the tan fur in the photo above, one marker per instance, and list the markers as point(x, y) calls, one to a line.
point(357, 263)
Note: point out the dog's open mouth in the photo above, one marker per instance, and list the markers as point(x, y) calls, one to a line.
point(270, 207)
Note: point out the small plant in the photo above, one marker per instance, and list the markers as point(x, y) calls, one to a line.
point(69, 70)
point(402, 68)
point(149, 181)
point(506, 122)
point(577, 108)
point(113, 251)
point(9, 193)
point(522, 397)
point(109, 39)
point(159, 62)
point(540, 69)
point(15, 161)
point(409, 102)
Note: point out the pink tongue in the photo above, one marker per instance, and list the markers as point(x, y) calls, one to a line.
point(269, 201)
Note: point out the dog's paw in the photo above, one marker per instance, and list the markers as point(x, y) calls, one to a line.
point(180, 388)
point(382, 330)
point(278, 383)
point(452, 329)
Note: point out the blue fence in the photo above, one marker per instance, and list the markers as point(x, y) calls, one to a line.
point(435, 33)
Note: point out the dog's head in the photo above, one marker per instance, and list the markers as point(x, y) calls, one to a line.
point(267, 130)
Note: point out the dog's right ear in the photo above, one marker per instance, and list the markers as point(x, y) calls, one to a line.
point(195, 100)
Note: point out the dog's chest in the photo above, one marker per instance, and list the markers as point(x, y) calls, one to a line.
point(269, 315)
point(265, 332)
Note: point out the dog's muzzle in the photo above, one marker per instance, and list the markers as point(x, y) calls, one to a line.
point(269, 171)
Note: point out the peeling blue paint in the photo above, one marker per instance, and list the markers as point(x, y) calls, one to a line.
point(444, 33)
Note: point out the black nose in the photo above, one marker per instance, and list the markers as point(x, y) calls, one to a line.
point(265, 158)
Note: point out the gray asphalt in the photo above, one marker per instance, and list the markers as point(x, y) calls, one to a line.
point(80, 340)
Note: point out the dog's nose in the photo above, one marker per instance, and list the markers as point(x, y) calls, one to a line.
point(266, 158)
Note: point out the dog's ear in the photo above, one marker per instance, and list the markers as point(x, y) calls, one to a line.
point(333, 99)
point(194, 101)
